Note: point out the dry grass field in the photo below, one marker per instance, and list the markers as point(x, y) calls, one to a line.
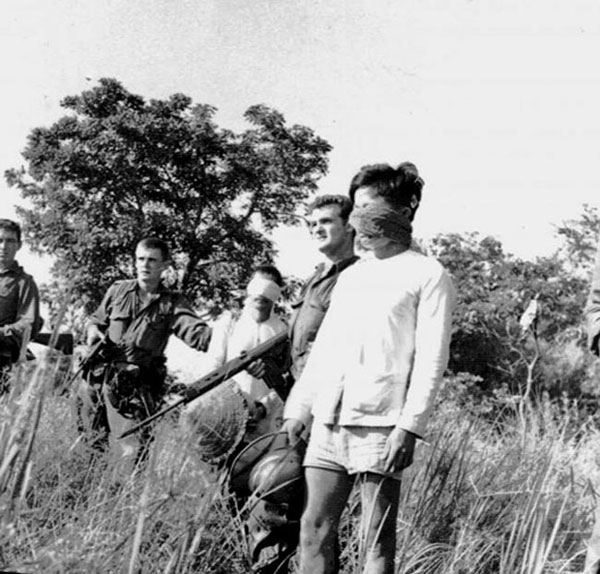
point(502, 494)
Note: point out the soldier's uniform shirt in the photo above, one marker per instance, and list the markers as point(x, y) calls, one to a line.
point(309, 311)
point(19, 306)
point(143, 330)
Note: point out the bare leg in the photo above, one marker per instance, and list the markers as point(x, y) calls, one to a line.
point(380, 497)
point(327, 492)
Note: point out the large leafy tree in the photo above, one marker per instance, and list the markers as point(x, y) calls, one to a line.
point(117, 168)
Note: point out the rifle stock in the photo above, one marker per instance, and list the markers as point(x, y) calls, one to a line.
point(216, 377)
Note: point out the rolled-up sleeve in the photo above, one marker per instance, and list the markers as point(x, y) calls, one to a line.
point(432, 344)
point(190, 328)
point(101, 316)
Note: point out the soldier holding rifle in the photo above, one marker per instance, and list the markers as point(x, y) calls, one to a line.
point(124, 382)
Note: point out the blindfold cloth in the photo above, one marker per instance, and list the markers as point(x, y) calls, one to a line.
point(264, 287)
point(377, 220)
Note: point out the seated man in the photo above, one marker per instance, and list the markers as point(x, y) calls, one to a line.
point(125, 383)
point(19, 300)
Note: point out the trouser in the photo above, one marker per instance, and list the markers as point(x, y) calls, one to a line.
point(112, 399)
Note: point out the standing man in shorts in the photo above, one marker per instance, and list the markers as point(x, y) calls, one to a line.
point(373, 373)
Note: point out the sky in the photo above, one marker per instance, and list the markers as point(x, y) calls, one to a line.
point(495, 101)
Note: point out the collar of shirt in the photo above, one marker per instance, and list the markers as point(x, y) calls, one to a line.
point(14, 267)
point(327, 269)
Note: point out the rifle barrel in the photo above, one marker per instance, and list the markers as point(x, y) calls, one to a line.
point(215, 378)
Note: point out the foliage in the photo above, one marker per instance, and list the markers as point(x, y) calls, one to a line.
point(469, 503)
point(493, 290)
point(580, 240)
point(118, 168)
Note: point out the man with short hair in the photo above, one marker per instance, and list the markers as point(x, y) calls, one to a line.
point(132, 325)
point(19, 299)
point(328, 223)
point(370, 382)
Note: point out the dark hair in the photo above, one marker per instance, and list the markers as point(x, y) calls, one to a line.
point(13, 226)
point(344, 202)
point(156, 243)
point(271, 272)
point(400, 187)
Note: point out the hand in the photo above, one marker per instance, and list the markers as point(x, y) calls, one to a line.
point(94, 334)
point(293, 428)
point(257, 369)
point(399, 449)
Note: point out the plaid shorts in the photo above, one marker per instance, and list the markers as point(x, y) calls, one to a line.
point(348, 449)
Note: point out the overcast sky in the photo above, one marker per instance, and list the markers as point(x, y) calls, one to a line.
point(495, 101)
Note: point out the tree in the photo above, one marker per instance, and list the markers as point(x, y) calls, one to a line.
point(493, 289)
point(118, 168)
point(580, 241)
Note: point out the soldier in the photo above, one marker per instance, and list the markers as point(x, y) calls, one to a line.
point(329, 228)
point(125, 380)
point(19, 300)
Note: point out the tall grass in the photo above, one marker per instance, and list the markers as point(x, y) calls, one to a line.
point(484, 496)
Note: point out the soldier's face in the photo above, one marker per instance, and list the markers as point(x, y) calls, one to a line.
point(329, 230)
point(9, 245)
point(149, 264)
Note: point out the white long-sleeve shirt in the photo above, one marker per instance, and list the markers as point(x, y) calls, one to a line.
point(382, 349)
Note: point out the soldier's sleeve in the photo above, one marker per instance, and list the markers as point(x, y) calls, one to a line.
point(592, 310)
point(188, 327)
point(101, 316)
point(28, 313)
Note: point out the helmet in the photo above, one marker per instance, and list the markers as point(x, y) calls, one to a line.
point(277, 476)
point(274, 473)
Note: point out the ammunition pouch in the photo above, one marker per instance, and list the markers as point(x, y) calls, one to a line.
point(124, 389)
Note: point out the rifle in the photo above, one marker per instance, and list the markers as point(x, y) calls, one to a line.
point(103, 350)
point(216, 377)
